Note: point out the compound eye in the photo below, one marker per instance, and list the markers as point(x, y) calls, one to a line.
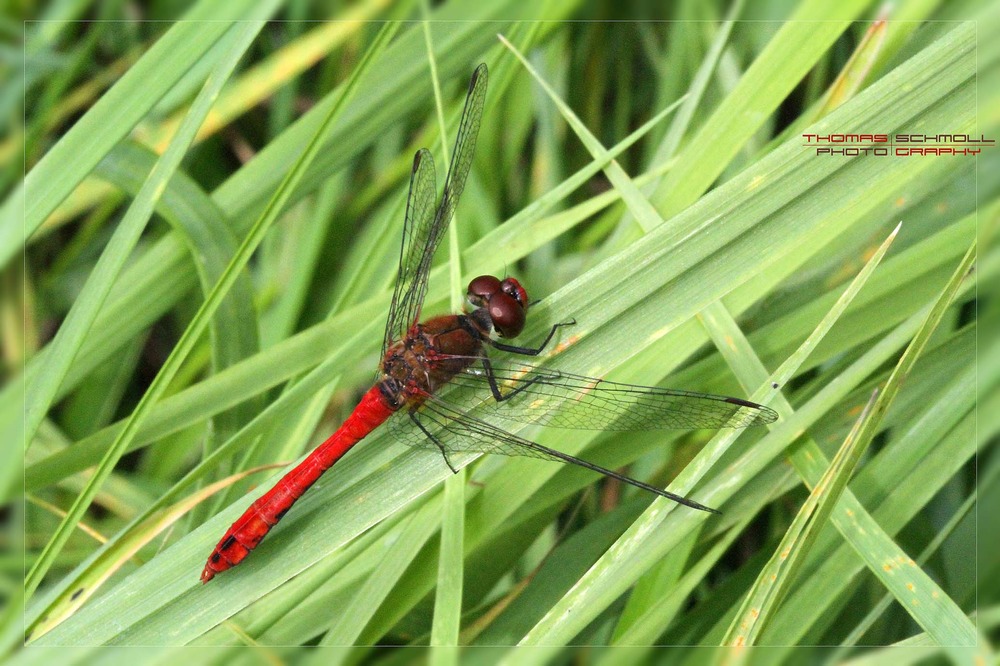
point(513, 288)
point(481, 288)
point(506, 314)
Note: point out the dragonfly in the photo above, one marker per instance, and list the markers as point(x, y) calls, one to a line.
point(436, 380)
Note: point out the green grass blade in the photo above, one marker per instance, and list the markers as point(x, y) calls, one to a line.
point(924, 457)
point(94, 135)
point(419, 529)
point(642, 630)
point(193, 215)
point(679, 128)
point(447, 619)
point(779, 572)
point(116, 555)
point(602, 583)
point(67, 342)
point(935, 604)
point(924, 600)
point(257, 84)
point(873, 615)
point(241, 37)
point(778, 69)
point(451, 570)
point(633, 198)
point(857, 69)
point(740, 357)
point(208, 308)
point(934, 610)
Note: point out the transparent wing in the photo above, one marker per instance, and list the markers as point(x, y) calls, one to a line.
point(423, 232)
point(440, 426)
point(416, 235)
point(564, 400)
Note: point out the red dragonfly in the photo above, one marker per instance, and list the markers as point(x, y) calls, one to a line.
point(447, 354)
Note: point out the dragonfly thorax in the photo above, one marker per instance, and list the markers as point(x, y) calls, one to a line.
point(428, 357)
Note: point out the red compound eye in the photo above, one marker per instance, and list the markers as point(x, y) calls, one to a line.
point(513, 288)
point(505, 302)
point(481, 288)
point(507, 315)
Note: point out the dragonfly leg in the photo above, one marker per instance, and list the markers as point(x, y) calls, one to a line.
point(437, 442)
point(552, 454)
point(495, 387)
point(529, 351)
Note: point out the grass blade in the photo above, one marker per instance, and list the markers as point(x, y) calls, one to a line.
point(117, 112)
point(601, 582)
point(186, 343)
point(113, 258)
point(774, 580)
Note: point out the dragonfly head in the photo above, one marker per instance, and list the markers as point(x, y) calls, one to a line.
point(505, 301)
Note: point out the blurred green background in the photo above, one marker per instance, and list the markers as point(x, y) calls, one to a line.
point(704, 256)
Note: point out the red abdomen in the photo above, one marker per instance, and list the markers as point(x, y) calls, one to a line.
point(251, 528)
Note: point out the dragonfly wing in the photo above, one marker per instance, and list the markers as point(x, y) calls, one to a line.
point(416, 239)
point(424, 228)
point(564, 400)
point(440, 426)
point(465, 146)
point(441, 423)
